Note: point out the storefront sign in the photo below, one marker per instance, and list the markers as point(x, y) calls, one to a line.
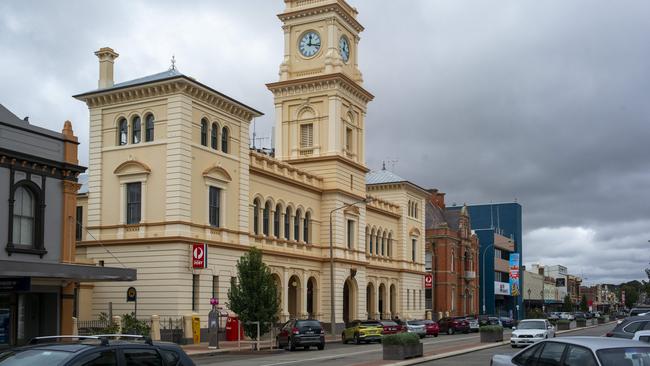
point(514, 274)
point(428, 280)
point(501, 288)
point(199, 256)
point(15, 284)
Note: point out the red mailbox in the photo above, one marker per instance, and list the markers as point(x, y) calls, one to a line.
point(232, 323)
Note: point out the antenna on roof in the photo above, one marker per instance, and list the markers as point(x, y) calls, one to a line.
point(392, 162)
point(383, 165)
point(173, 66)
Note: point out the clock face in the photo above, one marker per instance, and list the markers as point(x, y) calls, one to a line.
point(309, 44)
point(344, 48)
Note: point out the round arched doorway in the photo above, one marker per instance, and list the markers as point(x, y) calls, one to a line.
point(349, 300)
point(294, 297)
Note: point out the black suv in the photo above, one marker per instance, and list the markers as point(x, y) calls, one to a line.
point(301, 333)
point(95, 351)
point(629, 326)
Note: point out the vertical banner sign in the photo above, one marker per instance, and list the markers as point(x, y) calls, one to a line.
point(199, 256)
point(428, 280)
point(514, 274)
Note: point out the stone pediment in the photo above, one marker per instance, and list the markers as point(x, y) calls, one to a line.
point(131, 167)
point(218, 173)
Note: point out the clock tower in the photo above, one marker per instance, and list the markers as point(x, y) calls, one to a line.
point(320, 103)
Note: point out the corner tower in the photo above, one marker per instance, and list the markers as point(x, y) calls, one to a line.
point(320, 104)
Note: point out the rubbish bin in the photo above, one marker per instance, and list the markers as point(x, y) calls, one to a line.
point(231, 328)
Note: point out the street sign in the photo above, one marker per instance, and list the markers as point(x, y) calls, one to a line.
point(428, 280)
point(131, 294)
point(199, 256)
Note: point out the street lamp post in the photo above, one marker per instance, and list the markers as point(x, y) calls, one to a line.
point(543, 299)
point(483, 274)
point(332, 306)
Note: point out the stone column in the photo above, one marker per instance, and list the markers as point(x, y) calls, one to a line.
point(303, 297)
point(155, 328)
point(118, 321)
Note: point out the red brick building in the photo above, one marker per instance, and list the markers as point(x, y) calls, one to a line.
point(452, 257)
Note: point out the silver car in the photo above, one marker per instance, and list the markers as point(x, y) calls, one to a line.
point(582, 351)
point(417, 327)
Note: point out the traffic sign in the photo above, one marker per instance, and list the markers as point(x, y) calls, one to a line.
point(199, 256)
point(428, 280)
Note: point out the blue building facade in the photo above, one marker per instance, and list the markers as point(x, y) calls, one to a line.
point(499, 230)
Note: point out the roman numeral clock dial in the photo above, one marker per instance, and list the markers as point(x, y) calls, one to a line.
point(309, 44)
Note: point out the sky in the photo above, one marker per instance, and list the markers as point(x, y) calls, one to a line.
point(545, 102)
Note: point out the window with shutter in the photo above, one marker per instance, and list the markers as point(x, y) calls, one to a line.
point(306, 135)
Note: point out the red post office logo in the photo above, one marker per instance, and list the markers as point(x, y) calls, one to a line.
point(199, 255)
point(428, 280)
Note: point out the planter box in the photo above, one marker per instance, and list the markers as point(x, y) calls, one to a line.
point(581, 323)
point(563, 326)
point(399, 352)
point(601, 320)
point(491, 337)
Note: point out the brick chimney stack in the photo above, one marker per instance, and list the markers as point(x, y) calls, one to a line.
point(437, 198)
point(106, 57)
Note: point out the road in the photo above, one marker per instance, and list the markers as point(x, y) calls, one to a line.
point(336, 353)
point(482, 358)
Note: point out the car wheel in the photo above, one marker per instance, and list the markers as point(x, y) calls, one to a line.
point(513, 346)
point(435, 334)
point(345, 341)
point(356, 339)
point(306, 348)
point(321, 346)
point(277, 343)
point(292, 346)
point(450, 331)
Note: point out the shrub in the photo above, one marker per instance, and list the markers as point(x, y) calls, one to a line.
point(401, 339)
point(535, 314)
point(491, 329)
point(563, 321)
point(131, 325)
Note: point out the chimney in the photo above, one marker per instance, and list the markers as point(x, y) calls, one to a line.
point(106, 57)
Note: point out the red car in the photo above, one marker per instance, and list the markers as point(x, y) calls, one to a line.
point(390, 327)
point(453, 325)
point(431, 327)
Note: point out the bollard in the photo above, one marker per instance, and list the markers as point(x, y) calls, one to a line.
point(75, 326)
point(155, 328)
point(188, 337)
point(117, 320)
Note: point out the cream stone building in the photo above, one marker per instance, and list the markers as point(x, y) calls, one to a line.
point(170, 166)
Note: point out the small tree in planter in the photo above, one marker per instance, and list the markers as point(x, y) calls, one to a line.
point(491, 333)
point(401, 346)
point(563, 324)
point(581, 323)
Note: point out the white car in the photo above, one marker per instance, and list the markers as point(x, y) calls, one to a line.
point(531, 331)
point(642, 335)
point(567, 316)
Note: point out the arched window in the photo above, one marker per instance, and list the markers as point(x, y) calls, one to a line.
point(305, 227)
point(287, 223)
point(453, 259)
point(213, 135)
point(149, 127)
point(296, 225)
point(265, 218)
point(276, 221)
point(204, 132)
point(372, 233)
point(383, 244)
point(24, 217)
point(414, 249)
point(123, 132)
point(136, 126)
point(390, 244)
point(377, 243)
point(256, 216)
point(224, 139)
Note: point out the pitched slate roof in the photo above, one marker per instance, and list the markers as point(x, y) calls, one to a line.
point(383, 176)
point(435, 216)
point(149, 78)
point(8, 118)
point(83, 180)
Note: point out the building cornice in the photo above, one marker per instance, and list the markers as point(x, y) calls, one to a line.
point(342, 9)
point(270, 167)
point(337, 158)
point(40, 166)
point(177, 84)
point(321, 82)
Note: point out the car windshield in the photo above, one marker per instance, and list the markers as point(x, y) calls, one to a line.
point(624, 356)
point(34, 357)
point(531, 325)
point(370, 324)
point(416, 322)
point(388, 323)
point(308, 323)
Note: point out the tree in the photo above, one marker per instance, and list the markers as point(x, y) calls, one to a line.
point(254, 296)
point(631, 295)
point(568, 304)
point(583, 303)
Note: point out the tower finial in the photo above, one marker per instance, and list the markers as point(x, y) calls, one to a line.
point(173, 66)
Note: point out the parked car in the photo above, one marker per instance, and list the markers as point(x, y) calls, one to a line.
point(453, 325)
point(627, 327)
point(507, 322)
point(531, 331)
point(362, 331)
point(390, 327)
point(642, 335)
point(94, 350)
point(431, 327)
point(638, 311)
point(554, 316)
point(417, 327)
point(301, 333)
point(567, 316)
point(583, 351)
point(579, 315)
point(473, 324)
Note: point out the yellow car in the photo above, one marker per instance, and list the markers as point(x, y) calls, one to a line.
point(362, 331)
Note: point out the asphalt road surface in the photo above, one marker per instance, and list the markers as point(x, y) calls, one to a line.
point(482, 358)
point(335, 353)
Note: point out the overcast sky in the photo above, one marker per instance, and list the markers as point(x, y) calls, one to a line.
point(546, 102)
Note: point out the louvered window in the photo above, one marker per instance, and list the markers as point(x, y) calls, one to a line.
point(307, 135)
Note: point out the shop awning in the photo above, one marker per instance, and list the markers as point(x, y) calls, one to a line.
point(65, 271)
